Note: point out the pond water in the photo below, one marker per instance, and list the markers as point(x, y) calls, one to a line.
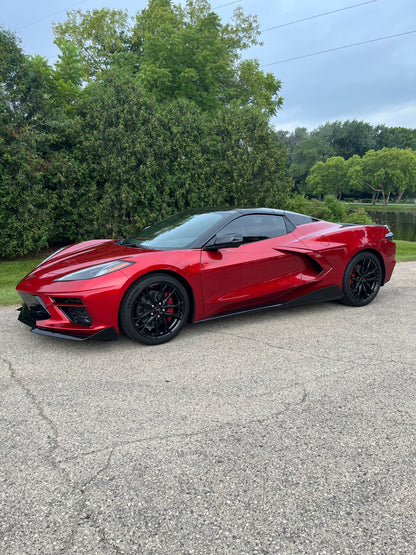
point(402, 224)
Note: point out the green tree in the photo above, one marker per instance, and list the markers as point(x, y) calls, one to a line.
point(68, 74)
point(293, 139)
point(92, 146)
point(386, 172)
point(347, 138)
point(37, 140)
point(24, 90)
point(176, 52)
point(328, 177)
point(399, 137)
point(26, 84)
point(147, 160)
point(99, 36)
point(303, 156)
point(186, 52)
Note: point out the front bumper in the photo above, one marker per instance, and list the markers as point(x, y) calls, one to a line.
point(72, 317)
point(28, 317)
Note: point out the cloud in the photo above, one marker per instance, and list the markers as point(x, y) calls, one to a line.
point(396, 115)
point(391, 115)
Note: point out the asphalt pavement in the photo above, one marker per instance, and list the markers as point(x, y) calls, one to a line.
point(288, 431)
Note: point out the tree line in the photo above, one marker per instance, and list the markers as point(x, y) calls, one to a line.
point(353, 159)
point(386, 173)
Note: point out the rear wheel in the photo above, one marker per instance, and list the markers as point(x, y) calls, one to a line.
point(154, 309)
point(362, 279)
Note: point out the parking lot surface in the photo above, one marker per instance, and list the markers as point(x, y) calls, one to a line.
point(287, 431)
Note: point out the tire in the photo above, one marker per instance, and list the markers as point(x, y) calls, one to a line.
point(362, 279)
point(154, 309)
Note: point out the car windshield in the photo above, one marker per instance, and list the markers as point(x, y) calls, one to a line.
point(177, 232)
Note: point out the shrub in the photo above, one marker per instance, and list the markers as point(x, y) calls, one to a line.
point(330, 209)
point(298, 203)
point(359, 216)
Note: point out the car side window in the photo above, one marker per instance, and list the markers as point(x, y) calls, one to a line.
point(256, 227)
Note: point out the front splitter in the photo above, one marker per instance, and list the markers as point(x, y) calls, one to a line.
point(107, 334)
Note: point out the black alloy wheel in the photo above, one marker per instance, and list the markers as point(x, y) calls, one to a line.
point(362, 279)
point(154, 309)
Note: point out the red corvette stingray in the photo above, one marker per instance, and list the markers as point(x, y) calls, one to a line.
point(199, 265)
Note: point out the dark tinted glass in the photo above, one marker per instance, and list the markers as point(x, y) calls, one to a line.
point(177, 232)
point(300, 219)
point(256, 227)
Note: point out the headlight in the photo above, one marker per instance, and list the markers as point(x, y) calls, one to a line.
point(96, 271)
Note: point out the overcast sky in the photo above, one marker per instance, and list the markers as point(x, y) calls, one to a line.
point(373, 82)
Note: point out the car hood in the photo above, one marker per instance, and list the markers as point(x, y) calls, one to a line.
point(82, 255)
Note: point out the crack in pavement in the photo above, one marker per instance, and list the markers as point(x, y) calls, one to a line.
point(53, 443)
point(85, 515)
point(216, 428)
point(302, 386)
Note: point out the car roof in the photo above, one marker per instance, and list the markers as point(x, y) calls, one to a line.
point(260, 211)
point(242, 211)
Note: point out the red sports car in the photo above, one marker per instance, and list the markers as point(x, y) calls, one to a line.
point(199, 265)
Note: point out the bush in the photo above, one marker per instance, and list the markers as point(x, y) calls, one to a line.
point(318, 209)
point(359, 216)
point(298, 203)
point(330, 209)
point(126, 161)
point(336, 207)
point(147, 160)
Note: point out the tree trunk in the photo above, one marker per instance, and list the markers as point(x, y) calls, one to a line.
point(383, 193)
point(399, 198)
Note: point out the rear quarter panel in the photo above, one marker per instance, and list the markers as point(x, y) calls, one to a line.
point(338, 244)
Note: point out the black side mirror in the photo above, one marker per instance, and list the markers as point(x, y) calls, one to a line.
point(230, 241)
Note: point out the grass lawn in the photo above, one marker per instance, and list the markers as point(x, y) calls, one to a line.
point(11, 272)
point(406, 250)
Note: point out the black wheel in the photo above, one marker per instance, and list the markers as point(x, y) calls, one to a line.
point(154, 309)
point(362, 279)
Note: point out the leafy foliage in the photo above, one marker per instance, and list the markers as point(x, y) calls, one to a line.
point(91, 147)
point(328, 177)
point(175, 52)
point(398, 137)
point(330, 209)
point(31, 131)
point(347, 138)
point(384, 173)
point(339, 139)
point(148, 160)
point(98, 36)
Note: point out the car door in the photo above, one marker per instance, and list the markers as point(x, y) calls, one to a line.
point(256, 273)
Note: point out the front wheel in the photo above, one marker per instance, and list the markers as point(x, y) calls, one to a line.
point(362, 279)
point(154, 309)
